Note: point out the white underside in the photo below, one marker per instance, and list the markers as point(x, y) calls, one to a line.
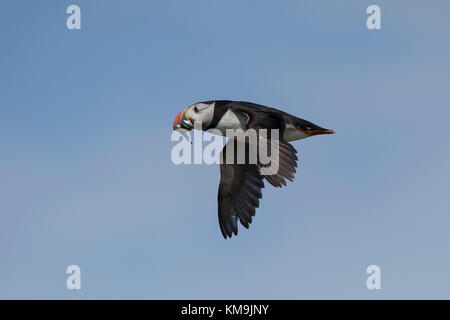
point(291, 133)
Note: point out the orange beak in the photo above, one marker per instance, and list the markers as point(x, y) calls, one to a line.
point(178, 119)
point(182, 120)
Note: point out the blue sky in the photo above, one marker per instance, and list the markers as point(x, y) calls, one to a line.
point(85, 123)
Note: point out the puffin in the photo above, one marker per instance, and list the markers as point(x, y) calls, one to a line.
point(241, 182)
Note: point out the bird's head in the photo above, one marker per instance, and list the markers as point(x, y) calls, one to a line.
point(201, 112)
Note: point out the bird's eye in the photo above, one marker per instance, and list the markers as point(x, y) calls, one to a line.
point(195, 109)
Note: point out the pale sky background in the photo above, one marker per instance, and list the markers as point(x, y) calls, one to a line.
point(85, 170)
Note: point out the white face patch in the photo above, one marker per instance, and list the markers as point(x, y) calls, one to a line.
point(202, 112)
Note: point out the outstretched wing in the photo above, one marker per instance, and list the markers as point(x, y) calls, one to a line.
point(241, 184)
point(239, 192)
point(262, 117)
point(283, 162)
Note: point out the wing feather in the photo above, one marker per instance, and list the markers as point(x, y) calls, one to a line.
point(240, 184)
point(239, 193)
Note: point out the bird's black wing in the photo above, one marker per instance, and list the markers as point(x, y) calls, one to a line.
point(282, 165)
point(239, 192)
point(262, 117)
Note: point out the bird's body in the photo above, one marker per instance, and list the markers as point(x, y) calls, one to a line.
point(246, 115)
point(241, 183)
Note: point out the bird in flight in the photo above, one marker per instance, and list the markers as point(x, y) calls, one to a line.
point(241, 182)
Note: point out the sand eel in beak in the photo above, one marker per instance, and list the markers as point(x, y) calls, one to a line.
point(183, 124)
